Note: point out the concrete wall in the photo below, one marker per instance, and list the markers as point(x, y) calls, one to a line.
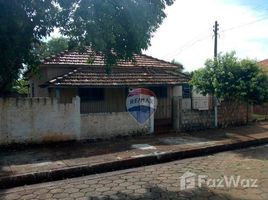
point(229, 114)
point(38, 120)
point(108, 125)
point(186, 118)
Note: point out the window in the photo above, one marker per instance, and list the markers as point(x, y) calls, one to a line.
point(186, 91)
point(91, 94)
point(160, 92)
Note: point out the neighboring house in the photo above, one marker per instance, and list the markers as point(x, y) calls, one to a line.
point(71, 74)
point(264, 65)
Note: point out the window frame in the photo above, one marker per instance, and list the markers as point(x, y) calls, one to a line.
point(92, 94)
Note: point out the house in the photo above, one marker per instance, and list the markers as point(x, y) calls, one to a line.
point(77, 100)
point(264, 65)
point(70, 74)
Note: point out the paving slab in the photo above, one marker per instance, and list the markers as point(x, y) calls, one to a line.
point(33, 164)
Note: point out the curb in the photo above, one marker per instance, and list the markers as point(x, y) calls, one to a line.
point(72, 172)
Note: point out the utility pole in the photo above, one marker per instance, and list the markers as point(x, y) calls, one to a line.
point(215, 30)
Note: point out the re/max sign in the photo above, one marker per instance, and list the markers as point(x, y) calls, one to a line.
point(141, 101)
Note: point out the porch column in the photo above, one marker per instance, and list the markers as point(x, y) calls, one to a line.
point(57, 94)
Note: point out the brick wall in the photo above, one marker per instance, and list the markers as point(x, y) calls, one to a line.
point(196, 120)
point(233, 113)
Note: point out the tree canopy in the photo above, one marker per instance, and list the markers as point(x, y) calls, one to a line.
point(116, 28)
point(230, 78)
point(51, 47)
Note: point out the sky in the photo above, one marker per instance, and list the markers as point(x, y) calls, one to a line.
point(186, 35)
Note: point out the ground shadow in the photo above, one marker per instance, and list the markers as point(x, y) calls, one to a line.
point(254, 152)
point(155, 193)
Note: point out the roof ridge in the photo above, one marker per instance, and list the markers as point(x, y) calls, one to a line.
point(179, 65)
point(54, 55)
point(57, 78)
point(68, 57)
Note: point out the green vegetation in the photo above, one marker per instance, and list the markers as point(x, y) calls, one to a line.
point(233, 79)
point(51, 47)
point(20, 87)
point(114, 27)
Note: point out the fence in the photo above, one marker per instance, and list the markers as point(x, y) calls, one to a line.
point(44, 119)
point(38, 120)
point(198, 113)
point(35, 120)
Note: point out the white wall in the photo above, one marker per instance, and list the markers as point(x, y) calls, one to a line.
point(108, 125)
point(38, 120)
point(35, 120)
point(177, 91)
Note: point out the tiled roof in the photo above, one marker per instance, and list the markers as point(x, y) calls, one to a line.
point(82, 59)
point(145, 70)
point(264, 63)
point(120, 76)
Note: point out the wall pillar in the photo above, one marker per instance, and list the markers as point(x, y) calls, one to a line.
point(176, 113)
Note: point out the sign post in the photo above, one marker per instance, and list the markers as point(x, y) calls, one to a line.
point(151, 123)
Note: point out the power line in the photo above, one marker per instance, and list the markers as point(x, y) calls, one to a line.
point(184, 45)
point(193, 42)
point(246, 24)
point(187, 45)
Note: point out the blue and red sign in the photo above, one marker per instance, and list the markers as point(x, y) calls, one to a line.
point(141, 104)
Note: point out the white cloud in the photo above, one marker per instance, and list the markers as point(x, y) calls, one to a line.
point(186, 34)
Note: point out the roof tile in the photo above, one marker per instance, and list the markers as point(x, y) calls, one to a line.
point(96, 76)
point(145, 70)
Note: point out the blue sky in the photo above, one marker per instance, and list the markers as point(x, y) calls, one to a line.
point(186, 34)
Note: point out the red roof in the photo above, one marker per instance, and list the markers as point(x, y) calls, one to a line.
point(264, 63)
point(145, 70)
point(96, 76)
point(82, 59)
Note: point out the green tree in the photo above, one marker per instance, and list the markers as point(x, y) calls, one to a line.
point(51, 47)
point(22, 23)
point(233, 79)
point(116, 28)
point(21, 87)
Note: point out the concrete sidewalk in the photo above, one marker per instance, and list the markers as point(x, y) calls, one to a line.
point(35, 164)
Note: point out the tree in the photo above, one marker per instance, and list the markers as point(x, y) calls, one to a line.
point(116, 28)
point(232, 79)
point(22, 23)
point(21, 87)
point(51, 47)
